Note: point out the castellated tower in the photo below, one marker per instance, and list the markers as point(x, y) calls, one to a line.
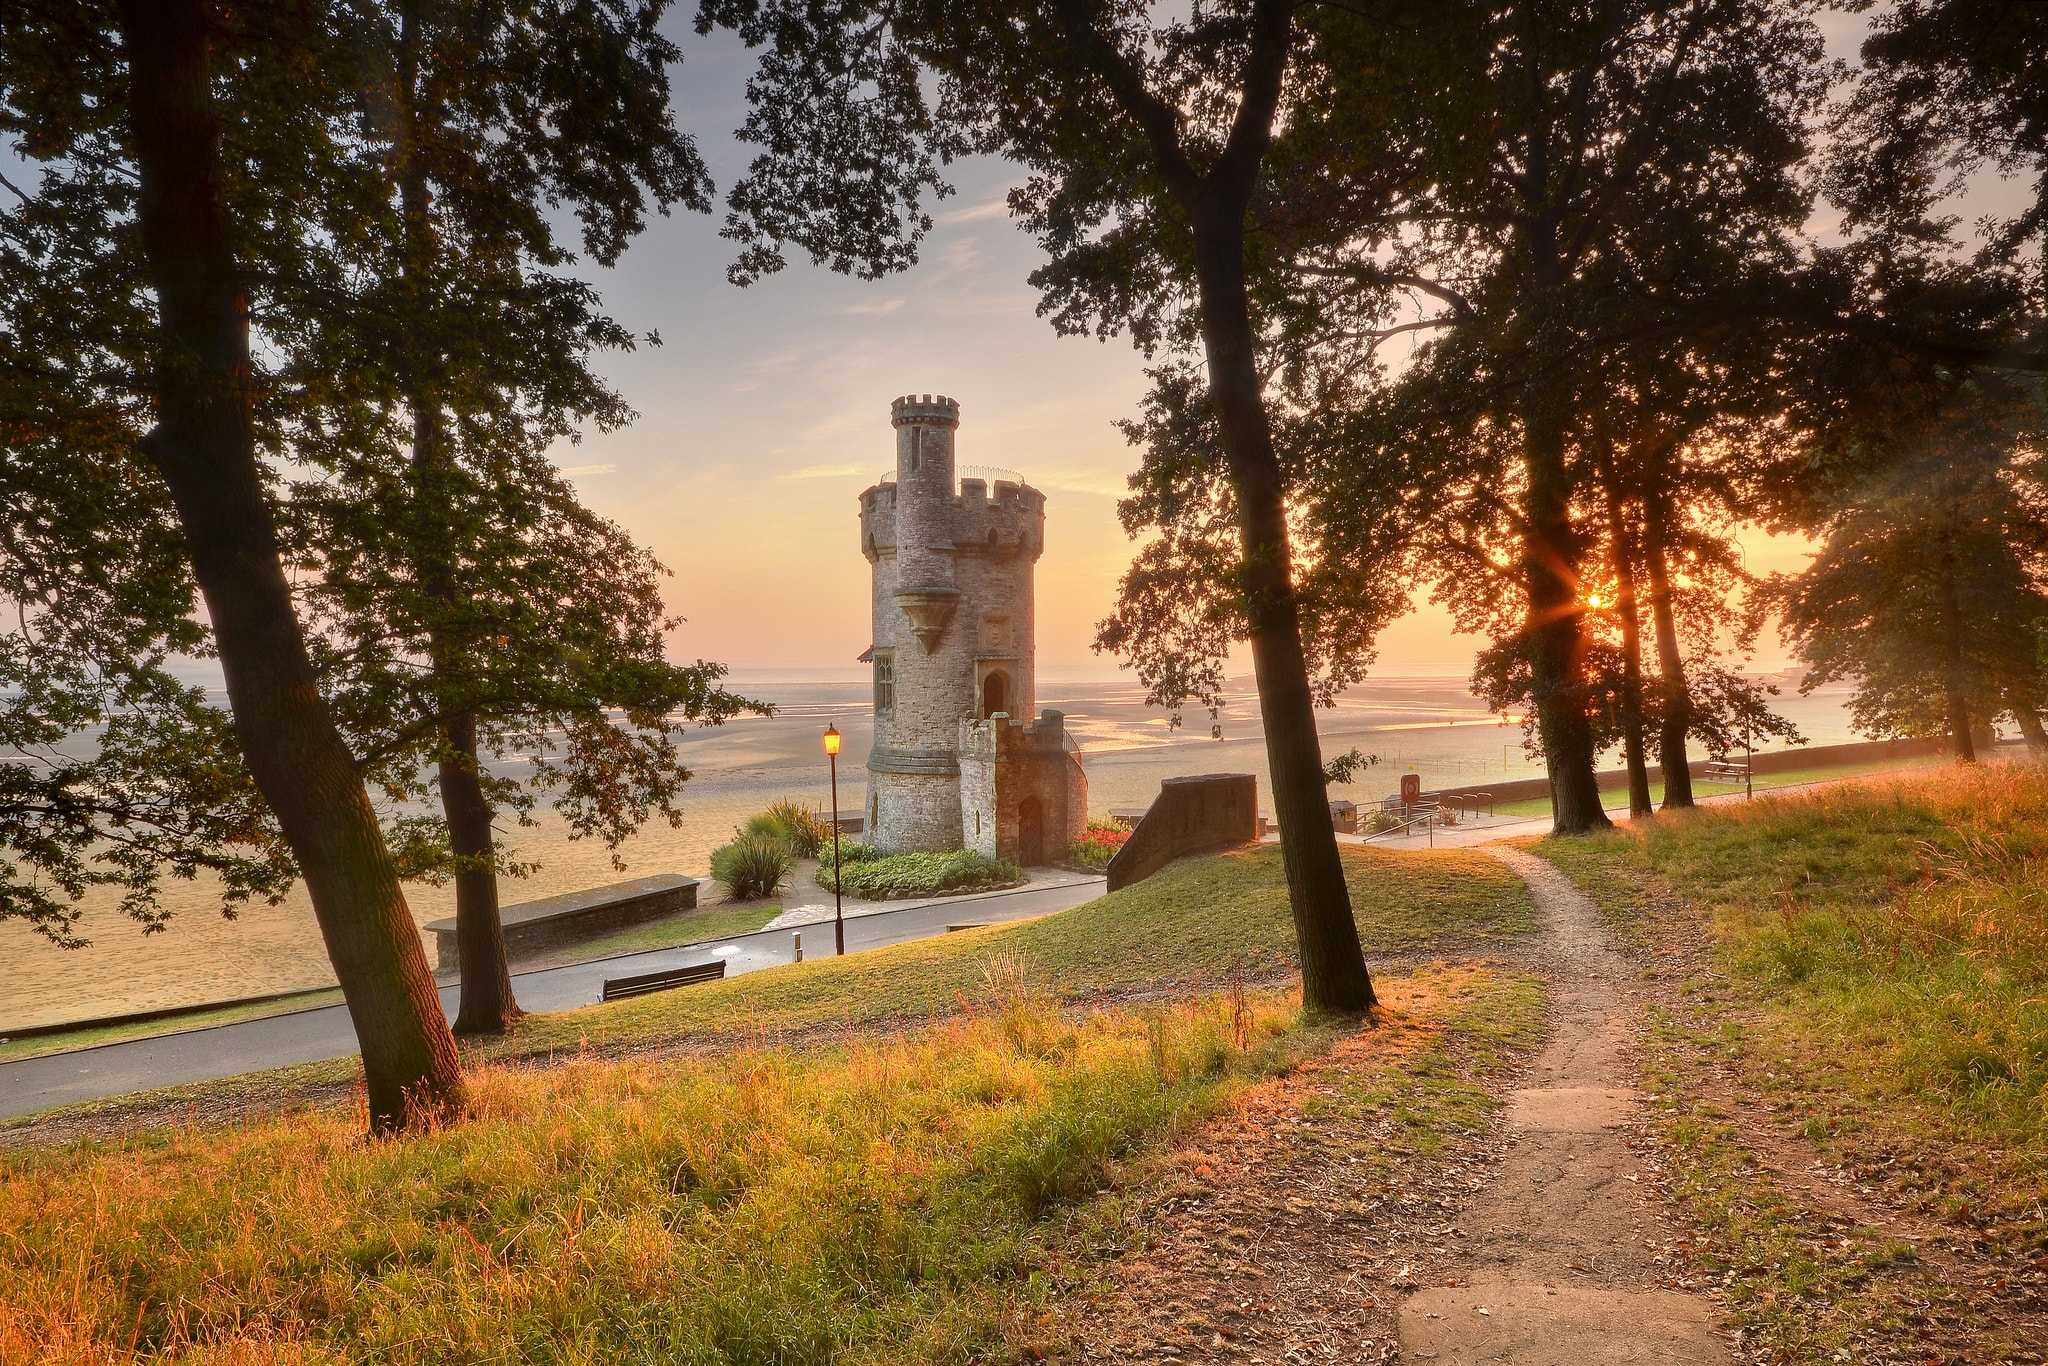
point(956, 761)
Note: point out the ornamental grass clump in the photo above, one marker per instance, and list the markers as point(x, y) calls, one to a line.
point(753, 865)
point(801, 827)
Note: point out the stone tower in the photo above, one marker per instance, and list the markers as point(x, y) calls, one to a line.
point(953, 568)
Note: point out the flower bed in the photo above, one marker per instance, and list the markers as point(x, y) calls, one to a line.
point(1098, 843)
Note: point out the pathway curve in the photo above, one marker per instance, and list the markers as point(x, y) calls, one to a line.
point(1559, 1270)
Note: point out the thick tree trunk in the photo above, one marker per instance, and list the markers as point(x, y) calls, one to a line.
point(204, 446)
point(1953, 682)
point(1673, 691)
point(1333, 973)
point(487, 1004)
point(2030, 723)
point(1555, 628)
point(1623, 559)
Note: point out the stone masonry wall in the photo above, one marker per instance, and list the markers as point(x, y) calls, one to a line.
point(967, 558)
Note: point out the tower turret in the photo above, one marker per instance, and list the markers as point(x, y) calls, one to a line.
point(926, 589)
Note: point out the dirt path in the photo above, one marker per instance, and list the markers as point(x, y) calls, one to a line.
point(1561, 1257)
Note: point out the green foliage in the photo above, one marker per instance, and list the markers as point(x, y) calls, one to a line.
point(801, 827)
point(752, 865)
point(885, 876)
point(1927, 594)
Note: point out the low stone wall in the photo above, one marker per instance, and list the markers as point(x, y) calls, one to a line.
point(1777, 761)
point(575, 916)
point(1191, 816)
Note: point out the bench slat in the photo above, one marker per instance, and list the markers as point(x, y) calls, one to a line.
point(617, 987)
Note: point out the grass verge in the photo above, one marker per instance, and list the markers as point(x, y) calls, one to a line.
point(917, 1198)
point(1872, 1001)
point(1615, 791)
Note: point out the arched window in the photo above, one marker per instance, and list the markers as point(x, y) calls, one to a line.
point(995, 694)
point(885, 682)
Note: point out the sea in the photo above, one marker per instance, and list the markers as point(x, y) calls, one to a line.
point(1434, 727)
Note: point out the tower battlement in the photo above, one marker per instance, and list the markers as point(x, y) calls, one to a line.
point(924, 410)
point(1008, 517)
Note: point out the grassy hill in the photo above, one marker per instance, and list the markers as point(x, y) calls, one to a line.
point(1852, 981)
point(917, 1182)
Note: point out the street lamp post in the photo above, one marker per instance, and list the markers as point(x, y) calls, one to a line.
point(838, 912)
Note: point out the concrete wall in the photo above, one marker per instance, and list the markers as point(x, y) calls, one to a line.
point(572, 917)
point(1190, 816)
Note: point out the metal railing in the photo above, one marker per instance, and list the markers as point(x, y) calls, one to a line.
point(988, 474)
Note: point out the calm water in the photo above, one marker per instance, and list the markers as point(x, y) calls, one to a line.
point(1431, 726)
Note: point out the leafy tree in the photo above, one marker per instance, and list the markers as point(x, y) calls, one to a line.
point(169, 135)
point(1928, 593)
point(118, 774)
point(440, 533)
point(1146, 137)
point(1527, 189)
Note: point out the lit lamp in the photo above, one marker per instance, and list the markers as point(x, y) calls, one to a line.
point(838, 914)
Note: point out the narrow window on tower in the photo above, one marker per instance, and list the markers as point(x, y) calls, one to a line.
point(885, 681)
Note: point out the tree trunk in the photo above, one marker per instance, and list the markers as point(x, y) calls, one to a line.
point(2030, 723)
point(1333, 972)
point(1639, 804)
point(487, 1004)
point(204, 447)
point(1672, 690)
point(1555, 628)
point(1953, 682)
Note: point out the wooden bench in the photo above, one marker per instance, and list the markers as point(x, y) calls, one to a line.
point(1724, 771)
point(618, 988)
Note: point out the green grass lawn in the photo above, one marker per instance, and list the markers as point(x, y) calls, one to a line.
point(1615, 790)
point(686, 927)
point(909, 1195)
point(1875, 983)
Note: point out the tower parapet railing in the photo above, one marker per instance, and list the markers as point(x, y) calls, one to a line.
point(988, 474)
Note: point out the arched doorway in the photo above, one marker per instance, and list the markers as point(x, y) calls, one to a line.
point(1031, 832)
point(995, 694)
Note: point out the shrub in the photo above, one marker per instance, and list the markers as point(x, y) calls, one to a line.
point(753, 865)
point(878, 877)
point(800, 826)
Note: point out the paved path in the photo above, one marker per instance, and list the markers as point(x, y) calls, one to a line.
point(325, 1032)
point(1559, 1273)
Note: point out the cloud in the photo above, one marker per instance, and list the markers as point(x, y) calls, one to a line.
point(824, 472)
point(996, 205)
point(874, 308)
point(575, 471)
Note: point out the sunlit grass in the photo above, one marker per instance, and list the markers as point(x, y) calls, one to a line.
point(893, 1200)
point(1878, 970)
point(1614, 791)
